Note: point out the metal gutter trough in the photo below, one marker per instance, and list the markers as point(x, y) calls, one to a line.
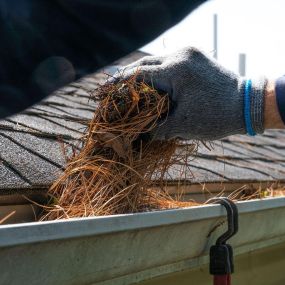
point(131, 248)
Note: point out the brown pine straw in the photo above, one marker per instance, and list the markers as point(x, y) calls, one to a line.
point(118, 165)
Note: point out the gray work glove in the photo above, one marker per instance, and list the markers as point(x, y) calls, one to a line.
point(208, 99)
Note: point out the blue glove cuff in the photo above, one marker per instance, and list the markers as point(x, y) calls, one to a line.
point(247, 108)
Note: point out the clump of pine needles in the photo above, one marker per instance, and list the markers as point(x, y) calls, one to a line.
point(118, 165)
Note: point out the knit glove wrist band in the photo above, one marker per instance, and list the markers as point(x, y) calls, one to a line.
point(256, 96)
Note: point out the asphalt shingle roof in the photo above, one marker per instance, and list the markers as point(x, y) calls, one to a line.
point(32, 156)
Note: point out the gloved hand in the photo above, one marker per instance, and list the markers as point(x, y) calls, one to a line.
point(208, 99)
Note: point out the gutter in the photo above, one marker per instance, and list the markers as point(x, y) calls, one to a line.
point(25, 233)
point(125, 249)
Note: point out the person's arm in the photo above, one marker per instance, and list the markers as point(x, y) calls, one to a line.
point(208, 101)
point(272, 118)
point(47, 44)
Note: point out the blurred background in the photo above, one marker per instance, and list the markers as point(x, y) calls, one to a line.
point(249, 35)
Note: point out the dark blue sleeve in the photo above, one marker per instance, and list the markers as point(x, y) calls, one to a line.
point(48, 43)
point(280, 96)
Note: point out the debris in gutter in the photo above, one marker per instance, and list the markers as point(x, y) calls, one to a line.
point(118, 165)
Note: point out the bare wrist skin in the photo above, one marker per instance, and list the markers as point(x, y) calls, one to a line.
point(272, 119)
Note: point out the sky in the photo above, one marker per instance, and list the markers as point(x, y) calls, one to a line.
point(253, 27)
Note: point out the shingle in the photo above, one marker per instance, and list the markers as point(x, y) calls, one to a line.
point(48, 149)
point(48, 126)
point(10, 179)
point(75, 115)
point(86, 102)
point(196, 175)
point(241, 150)
point(274, 171)
point(257, 140)
point(60, 101)
point(231, 171)
point(30, 167)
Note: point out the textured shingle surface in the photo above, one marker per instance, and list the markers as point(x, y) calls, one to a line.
point(32, 156)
